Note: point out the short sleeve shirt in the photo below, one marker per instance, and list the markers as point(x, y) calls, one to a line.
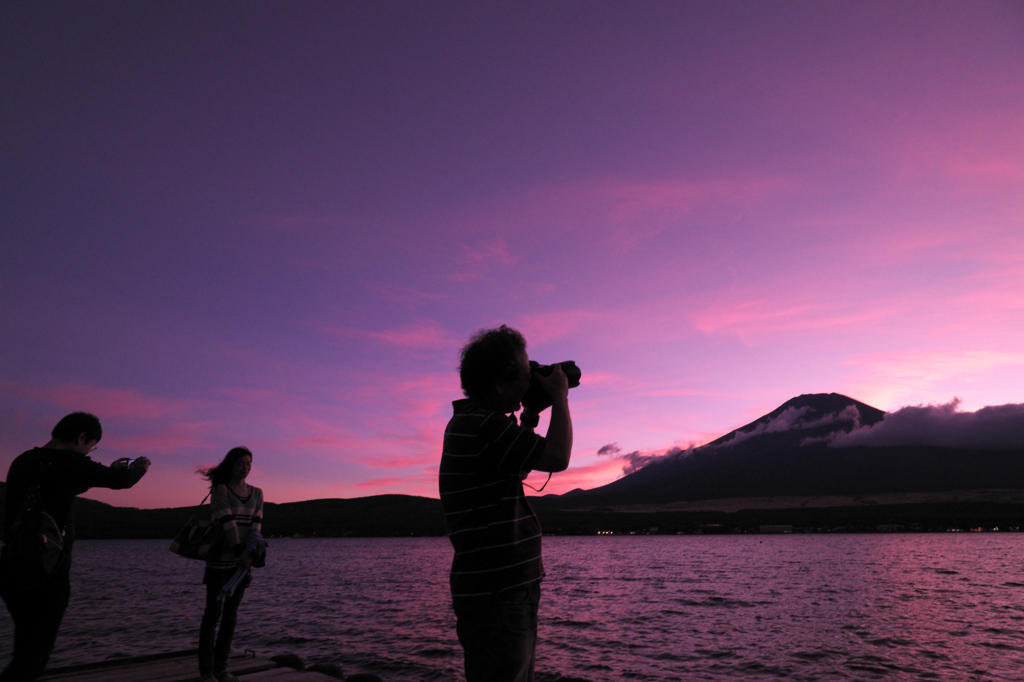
point(495, 533)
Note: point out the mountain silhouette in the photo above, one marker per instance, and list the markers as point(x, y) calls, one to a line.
point(790, 452)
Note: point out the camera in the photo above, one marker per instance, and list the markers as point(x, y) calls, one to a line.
point(536, 397)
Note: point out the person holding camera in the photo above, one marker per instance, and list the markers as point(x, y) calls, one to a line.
point(53, 476)
point(497, 569)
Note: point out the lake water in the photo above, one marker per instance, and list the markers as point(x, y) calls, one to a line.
point(801, 607)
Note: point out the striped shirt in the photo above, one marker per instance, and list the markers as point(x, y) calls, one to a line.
point(496, 535)
point(237, 517)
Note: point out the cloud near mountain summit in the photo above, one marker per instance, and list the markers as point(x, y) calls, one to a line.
point(636, 460)
point(997, 427)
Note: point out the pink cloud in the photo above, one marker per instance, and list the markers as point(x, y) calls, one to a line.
point(425, 334)
point(102, 401)
point(638, 211)
point(896, 249)
point(748, 319)
point(992, 168)
point(494, 252)
point(424, 485)
point(419, 394)
point(335, 442)
point(431, 457)
point(254, 396)
point(619, 213)
point(585, 476)
point(542, 328)
point(597, 377)
point(890, 377)
point(168, 438)
point(410, 437)
point(934, 366)
point(482, 259)
point(673, 392)
point(284, 492)
point(417, 389)
point(984, 156)
point(403, 438)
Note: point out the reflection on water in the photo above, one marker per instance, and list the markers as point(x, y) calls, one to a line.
point(804, 607)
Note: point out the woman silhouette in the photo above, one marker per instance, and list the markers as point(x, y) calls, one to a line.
point(238, 506)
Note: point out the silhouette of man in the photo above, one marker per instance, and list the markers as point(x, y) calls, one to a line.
point(62, 470)
point(497, 569)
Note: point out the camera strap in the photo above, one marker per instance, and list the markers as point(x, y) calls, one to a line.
point(540, 488)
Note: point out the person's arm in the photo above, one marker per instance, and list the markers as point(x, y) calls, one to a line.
point(558, 445)
point(137, 467)
point(255, 531)
point(118, 476)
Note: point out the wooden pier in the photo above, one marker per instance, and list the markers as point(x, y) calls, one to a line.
point(182, 666)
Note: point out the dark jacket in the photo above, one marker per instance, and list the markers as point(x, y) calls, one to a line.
point(61, 476)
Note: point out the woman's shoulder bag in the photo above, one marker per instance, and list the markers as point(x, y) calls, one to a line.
point(198, 536)
point(35, 543)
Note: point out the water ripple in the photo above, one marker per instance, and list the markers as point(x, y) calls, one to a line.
point(614, 608)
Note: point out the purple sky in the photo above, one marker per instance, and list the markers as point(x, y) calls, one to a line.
point(275, 224)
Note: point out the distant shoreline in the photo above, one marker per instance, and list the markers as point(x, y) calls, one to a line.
point(735, 504)
point(409, 516)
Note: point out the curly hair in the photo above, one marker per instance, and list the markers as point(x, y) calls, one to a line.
point(490, 357)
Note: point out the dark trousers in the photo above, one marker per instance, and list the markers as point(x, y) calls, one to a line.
point(214, 645)
point(499, 635)
point(37, 614)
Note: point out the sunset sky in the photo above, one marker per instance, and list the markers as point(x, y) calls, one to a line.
point(275, 224)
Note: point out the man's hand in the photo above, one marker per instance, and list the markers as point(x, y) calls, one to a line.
point(123, 463)
point(559, 439)
point(556, 384)
point(529, 419)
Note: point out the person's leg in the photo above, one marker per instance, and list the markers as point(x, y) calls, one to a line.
point(227, 628)
point(37, 615)
point(518, 628)
point(477, 628)
point(499, 636)
point(208, 626)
